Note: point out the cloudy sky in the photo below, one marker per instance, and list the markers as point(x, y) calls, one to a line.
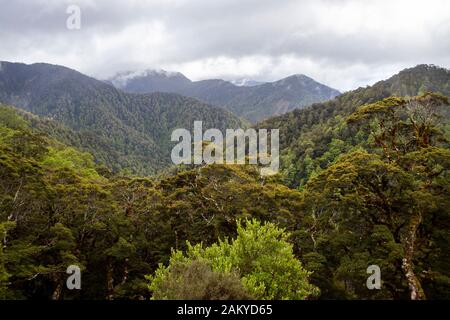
point(342, 43)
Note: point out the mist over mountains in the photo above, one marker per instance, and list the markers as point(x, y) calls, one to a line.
point(243, 82)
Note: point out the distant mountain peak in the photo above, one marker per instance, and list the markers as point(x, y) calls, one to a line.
point(150, 72)
point(298, 78)
point(247, 98)
point(424, 68)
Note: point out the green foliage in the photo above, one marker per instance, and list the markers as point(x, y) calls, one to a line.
point(307, 135)
point(69, 158)
point(371, 187)
point(10, 119)
point(260, 255)
point(401, 125)
point(4, 275)
point(382, 206)
point(195, 280)
point(117, 229)
point(123, 131)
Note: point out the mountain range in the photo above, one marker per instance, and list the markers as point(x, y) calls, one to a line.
point(129, 131)
point(122, 130)
point(254, 101)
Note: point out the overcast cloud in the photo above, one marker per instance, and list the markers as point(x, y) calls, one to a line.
point(341, 43)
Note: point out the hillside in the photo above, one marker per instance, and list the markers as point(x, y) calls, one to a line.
point(57, 208)
point(312, 138)
point(129, 234)
point(124, 131)
point(253, 102)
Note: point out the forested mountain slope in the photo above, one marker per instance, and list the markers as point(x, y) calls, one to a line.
point(253, 103)
point(312, 138)
point(124, 131)
point(385, 205)
point(58, 209)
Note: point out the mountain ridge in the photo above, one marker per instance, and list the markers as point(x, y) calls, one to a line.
point(125, 131)
point(252, 102)
point(305, 135)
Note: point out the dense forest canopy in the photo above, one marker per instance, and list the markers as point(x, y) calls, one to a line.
point(312, 138)
point(366, 181)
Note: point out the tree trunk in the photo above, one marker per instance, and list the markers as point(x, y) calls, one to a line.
point(110, 280)
point(407, 264)
point(125, 272)
point(56, 295)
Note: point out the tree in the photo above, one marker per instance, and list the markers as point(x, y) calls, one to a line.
point(4, 275)
point(382, 205)
point(260, 255)
point(407, 129)
point(358, 199)
point(195, 280)
point(400, 125)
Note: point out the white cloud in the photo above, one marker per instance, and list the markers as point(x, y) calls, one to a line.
point(342, 43)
